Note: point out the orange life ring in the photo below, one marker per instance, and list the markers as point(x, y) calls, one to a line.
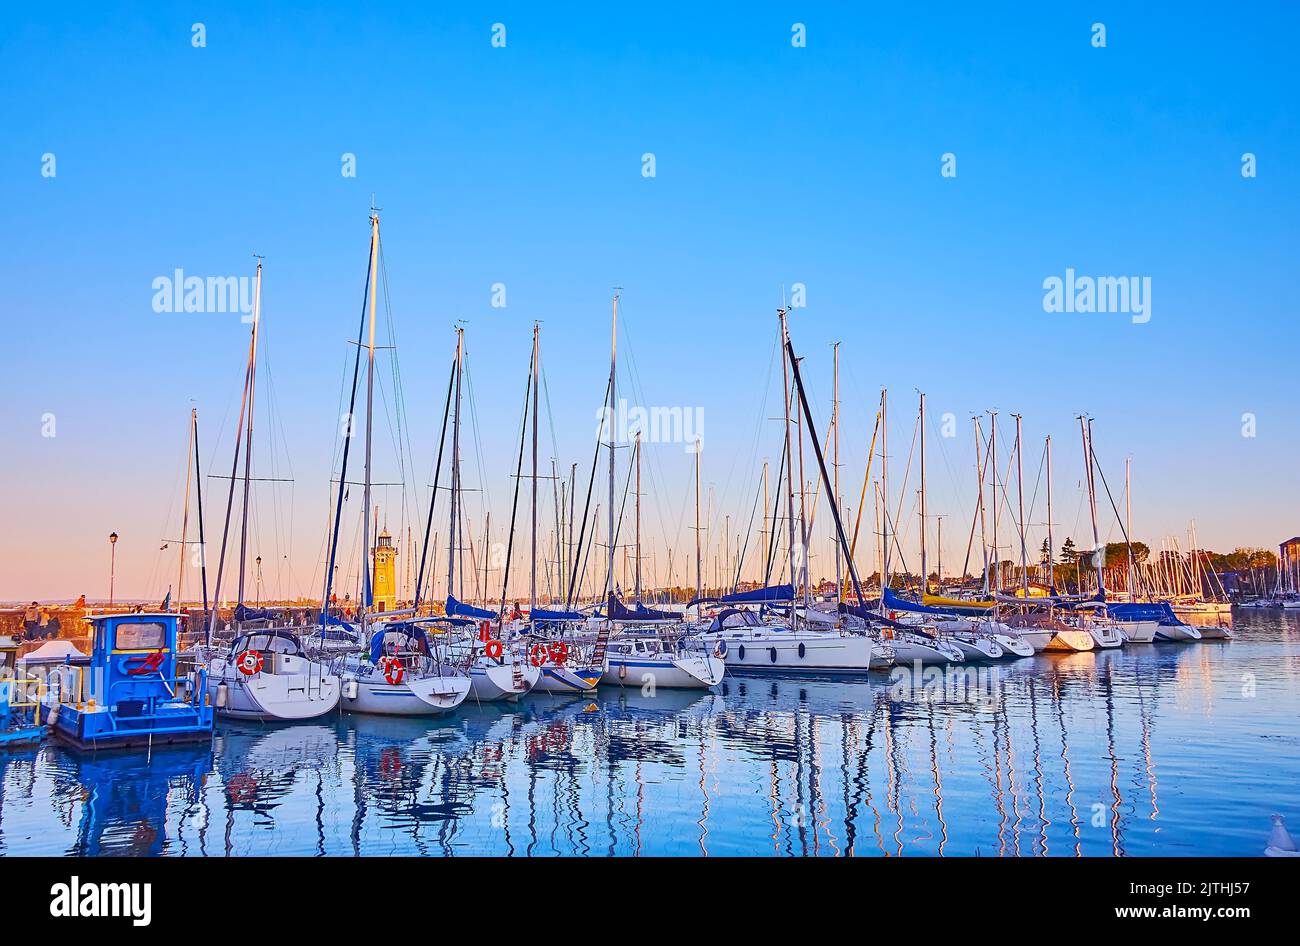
point(559, 651)
point(538, 654)
point(494, 649)
point(250, 662)
point(393, 670)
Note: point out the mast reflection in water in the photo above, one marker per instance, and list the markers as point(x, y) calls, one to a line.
point(1156, 750)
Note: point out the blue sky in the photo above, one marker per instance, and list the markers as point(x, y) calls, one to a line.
point(522, 165)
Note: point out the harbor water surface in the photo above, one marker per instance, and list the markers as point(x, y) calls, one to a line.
point(1150, 750)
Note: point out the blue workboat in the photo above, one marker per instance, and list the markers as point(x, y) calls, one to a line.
point(130, 693)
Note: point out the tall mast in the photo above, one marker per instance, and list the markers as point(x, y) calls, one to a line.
point(613, 402)
point(1051, 549)
point(884, 495)
point(185, 516)
point(452, 528)
point(532, 575)
point(1128, 523)
point(699, 561)
point(248, 445)
point(638, 515)
point(1020, 513)
point(835, 466)
point(925, 575)
point(979, 477)
point(993, 464)
point(803, 510)
point(789, 459)
point(766, 554)
point(1085, 428)
point(366, 589)
point(198, 495)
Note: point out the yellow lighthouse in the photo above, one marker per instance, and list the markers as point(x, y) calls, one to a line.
point(384, 577)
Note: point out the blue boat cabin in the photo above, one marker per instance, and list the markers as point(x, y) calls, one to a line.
point(130, 693)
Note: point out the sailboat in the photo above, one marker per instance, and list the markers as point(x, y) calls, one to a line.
point(803, 643)
point(497, 669)
point(1104, 631)
point(266, 674)
point(401, 672)
point(648, 656)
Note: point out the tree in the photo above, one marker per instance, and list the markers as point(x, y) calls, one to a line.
point(1045, 554)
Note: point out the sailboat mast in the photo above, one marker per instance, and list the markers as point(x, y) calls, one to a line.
point(1128, 523)
point(452, 530)
point(248, 445)
point(185, 516)
point(1051, 548)
point(835, 464)
point(532, 572)
point(638, 515)
point(925, 575)
point(699, 560)
point(884, 495)
point(979, 478)
point(1020, 512)
point(1085, 427)
point(613, 402)
point(366, 590)
point(198, 495)
point(993, 465)
point(789, 459)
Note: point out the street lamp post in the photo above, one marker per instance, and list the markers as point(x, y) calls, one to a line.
point(259, 581)
point(112, 567)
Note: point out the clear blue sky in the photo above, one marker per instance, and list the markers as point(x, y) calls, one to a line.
point(522, 165)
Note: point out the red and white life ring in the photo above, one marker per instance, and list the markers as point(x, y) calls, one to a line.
point(393, 670)
point(494, 649)
point(559, 652)
point(538, 654)
point(250, 662)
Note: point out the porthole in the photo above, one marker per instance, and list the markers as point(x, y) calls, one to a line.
point(802, 651)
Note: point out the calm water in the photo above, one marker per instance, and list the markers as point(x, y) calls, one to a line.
point(1162, 749)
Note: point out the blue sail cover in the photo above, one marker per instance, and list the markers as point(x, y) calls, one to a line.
point(756, 596)
point(245, 613)
point(895, 602)
point(618, 611)
point(413, 631)
point(540, 614)
point(1144, 611)
point(456, 608)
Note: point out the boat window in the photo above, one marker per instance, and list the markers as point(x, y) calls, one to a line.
point(141, 635)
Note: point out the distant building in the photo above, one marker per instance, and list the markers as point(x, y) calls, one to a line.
point(384, 576)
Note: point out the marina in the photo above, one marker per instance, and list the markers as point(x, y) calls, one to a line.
point(1129, 752)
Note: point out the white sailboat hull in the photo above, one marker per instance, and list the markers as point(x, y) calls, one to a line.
point(418, 696)
point(566, 680)
point(977, 648)
point(269, 696)
point(1139, 632)
point(1107, 636)
point(785, 651)
point(911, 650)
point(1177, 633)
point(490, 682)
point(689, 672)
point(1013, 646)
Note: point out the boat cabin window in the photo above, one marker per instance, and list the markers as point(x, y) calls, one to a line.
point(141, 636)
point(267, 643)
